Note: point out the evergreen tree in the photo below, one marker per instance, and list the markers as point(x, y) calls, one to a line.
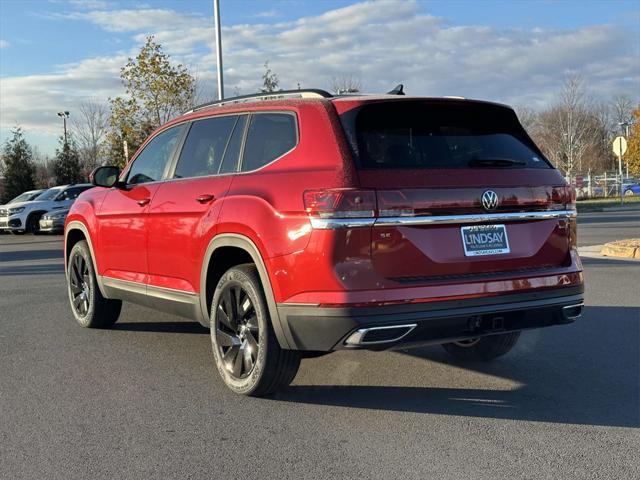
point(19, 169)
point(66, 166)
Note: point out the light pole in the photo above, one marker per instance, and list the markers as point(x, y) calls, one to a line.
point(216, 19)
point(64, 115)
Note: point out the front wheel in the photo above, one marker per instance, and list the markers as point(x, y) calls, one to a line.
point(33, 223)
point(89, 307)
point(483, 348)
point(246, 351)
point(628, 193)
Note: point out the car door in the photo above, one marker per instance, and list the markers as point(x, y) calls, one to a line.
point(122, 216)
point(184, 211)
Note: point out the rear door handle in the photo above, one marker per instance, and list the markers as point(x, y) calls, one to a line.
point(205, 198)
point(144, 201)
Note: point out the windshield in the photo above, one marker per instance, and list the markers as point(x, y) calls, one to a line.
point(48, 194)
point(25, 197)
point(442, 135)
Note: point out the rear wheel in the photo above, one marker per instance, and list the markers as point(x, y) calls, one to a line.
point(483, 348)
point(247, 354)
point(89, 307)
point(628, 193)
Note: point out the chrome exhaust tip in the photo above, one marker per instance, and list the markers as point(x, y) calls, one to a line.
point(379, 335)
point(571, 312)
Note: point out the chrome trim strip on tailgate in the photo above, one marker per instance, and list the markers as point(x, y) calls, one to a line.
point(334, 223)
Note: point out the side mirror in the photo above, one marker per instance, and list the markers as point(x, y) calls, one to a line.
point(106, 176)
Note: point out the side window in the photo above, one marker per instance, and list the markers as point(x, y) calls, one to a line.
point(150, 163)
point(270, 136)
point(73, 192)
point(230, 161)
point(204, 147)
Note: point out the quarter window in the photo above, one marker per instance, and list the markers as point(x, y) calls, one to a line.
point(270, 136)
point(149, 165)
point(205, 146)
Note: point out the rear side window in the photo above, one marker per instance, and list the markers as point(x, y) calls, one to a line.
point(205, 146)
point(422, 135)
point(270, 136)
point(149, 165)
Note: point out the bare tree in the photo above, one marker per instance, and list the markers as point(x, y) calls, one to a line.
point(90, 129)
point(346, 84)
point(528, 118)
point(621, 110)
point(567, 130)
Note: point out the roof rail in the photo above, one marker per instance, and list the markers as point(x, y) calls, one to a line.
point(256, 97)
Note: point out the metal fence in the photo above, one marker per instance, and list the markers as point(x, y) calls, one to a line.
point(600, 186)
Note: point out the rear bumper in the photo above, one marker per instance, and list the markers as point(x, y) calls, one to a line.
point(327, 328)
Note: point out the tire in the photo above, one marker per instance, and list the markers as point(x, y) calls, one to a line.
point(484, 348)
point(33, 223)
point(240, 324)
point(629, 193)
point(89, 307)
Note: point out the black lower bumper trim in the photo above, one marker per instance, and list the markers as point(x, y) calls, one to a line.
point(323, 328)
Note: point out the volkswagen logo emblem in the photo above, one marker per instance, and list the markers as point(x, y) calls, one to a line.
point(489, 200)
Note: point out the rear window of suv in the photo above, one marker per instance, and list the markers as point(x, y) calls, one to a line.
point(270, 136)
point(418, 135)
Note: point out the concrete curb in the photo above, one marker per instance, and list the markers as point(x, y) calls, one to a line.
point(594, 251)
point(622, 249)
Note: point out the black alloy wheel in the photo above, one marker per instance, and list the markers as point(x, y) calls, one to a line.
point(247, 353)
point(80, 285)
point(237, 331)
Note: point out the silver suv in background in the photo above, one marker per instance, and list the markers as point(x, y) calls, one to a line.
point(27, 196)
point(25, 216)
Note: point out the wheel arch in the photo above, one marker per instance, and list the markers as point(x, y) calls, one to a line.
point(31, 214)
point(75, 232)
point(244, 244)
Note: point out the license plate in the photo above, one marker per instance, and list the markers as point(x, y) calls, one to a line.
point(484, 240)
point(3, 223)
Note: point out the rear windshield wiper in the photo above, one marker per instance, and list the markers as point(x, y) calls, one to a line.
point(494, 162)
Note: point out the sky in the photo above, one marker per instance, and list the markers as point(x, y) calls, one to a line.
point(54, 54)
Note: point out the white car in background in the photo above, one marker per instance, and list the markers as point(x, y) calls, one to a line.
point(27, 196)
point(24, 217)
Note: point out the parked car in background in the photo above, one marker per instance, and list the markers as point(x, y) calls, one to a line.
point(25, 216)
point(53, 221)
point(631, 189)
point(23, 197)
point(309, 223)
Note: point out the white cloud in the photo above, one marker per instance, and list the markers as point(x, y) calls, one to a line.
point(89, 4)
point(267, 14)
point(382, 43)
point(4, 44)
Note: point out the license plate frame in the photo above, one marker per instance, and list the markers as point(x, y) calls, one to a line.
point(486, 240)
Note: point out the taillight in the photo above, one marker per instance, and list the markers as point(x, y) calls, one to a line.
point(570, 204)
point(569, 197)
point(340, 203)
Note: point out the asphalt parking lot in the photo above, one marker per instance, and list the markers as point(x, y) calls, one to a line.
point(142, 400)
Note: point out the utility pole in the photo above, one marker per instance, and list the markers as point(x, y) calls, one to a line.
point(64, 115)
point(216, 19)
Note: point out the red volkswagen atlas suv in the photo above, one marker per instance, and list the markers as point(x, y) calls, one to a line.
point(299, 223)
